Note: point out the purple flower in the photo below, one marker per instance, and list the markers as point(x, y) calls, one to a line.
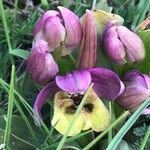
point(106, 84)
point(88, 49)
point(122, 45)
point(40, 64)
point(137, 90)
point(61, 29)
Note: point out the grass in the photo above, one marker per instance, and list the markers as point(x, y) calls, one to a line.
point(17, 93)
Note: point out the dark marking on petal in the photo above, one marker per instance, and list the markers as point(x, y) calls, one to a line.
point(71, 109)
point(88, 107)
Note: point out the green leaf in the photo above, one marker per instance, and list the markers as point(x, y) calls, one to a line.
point(20, 129)
point(66, 64)
point(145, 65)
point(20, 53)
point(16, 142)
point(116, 140)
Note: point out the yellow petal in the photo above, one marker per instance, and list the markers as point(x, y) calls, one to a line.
point(61, 119)
point(96, 114)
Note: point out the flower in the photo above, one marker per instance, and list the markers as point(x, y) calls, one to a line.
point(68, 92)
point(40, 64)
point(60, 29)
point(137, 90)
point(123, 45)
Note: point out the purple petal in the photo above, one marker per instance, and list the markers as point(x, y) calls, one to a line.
point(133, 96)
point(74, 82)
point(73, 27)
point(113, 46)
point(133, 44)
point(54, 32)
point(88, 49)
point(47, 92)
point(41, 22)
point(138, 78)
point(106, 83)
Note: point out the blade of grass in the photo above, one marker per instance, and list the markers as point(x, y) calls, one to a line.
point(146, 137)
point(110, 131)
point(67, 140)
point(116, 140)
point(30, 110)
point(73, 120)
point(6, 30)
point(21, 112)
point(122, 117)
point(9, 109)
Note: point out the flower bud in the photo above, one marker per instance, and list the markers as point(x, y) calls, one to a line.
point(61, 29)
point(40, 64)
point(123, 45)
point(88, 49)
point(137, 90)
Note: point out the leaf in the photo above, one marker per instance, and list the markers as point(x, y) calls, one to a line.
point(66, 64)
point(20, 53)
point(145, 65)
point(16, 142)
point(21, 131)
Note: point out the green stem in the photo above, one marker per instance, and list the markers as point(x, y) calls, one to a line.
point(6, 30)
point(146, 137)
point(9, 109)
point(110, 131)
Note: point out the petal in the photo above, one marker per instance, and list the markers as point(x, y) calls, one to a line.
point(133, 96)
point(106, 83)
point(138, 78)
point(73, 27)
point(113, 46)
point(47, 92)
point(133, 44)
point(74, 82)
point(88, 49)
point(61, 119)
point(41, 22)
point(54, 32)
point(98, 118)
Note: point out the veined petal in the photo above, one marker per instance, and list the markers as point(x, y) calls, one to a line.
point(41, 22)
point(106, 83)
point(74, 82)
point(88, 49)
point(113, 46)
point(72, 26)
point(54, 32)
point(133, 96)
point(47, 92)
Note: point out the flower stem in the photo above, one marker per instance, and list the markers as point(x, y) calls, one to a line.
point(94, 5)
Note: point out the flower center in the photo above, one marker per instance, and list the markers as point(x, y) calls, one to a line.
point(77, 100)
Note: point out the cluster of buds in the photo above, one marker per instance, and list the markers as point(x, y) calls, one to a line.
point(55, 30)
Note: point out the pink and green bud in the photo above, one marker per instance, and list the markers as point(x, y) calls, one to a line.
point(41, 65)
point(88, 49)
point(123, 45)
point(61, 29)
point(137, 90)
